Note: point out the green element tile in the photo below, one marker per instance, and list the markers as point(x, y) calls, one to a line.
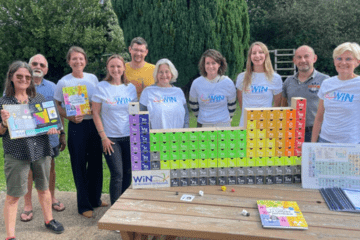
point(242, 134)
point(174, 164)
point(184, 164)
point(193, 145)
point(222, 144)
point(164, 155)
point(232, 153)
point(164, 165)
point(212, 162)
point(222, 162)
point(241, 152)
point(193, 136)
point(193, 154)
point(213, 153)
point(164, 137)
point(261, 161)
point(193, 163)
point(288, 160)
point(183, 145)
point(221, 135)
point(213, 144)
point(222, 153)
point(232, 134)
point(297, 160)
point(203, 163)
point(242, 143)
point(173, 145)
point(155, 137)
point(164, 146)
point(203, 145)
point(241, 162)
point(183, 154)
point(173, 136)
point(278, 161)
point(232, 144)
point(270, 161)
point(213, 135)
point(203, 136)
point(174, 155)
point(183, 136)
point(203, 153)
point(155, 146)
point(251, 162)
point(232, 162)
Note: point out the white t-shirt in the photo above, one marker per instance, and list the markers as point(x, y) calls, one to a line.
point(260, 93)
point(165, 106)
point(115, 101)
point(213, 99)
point(342, 110)
point(90, 80)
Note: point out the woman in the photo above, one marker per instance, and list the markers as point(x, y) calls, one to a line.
point(166, 103)
point(259, 85)
point(83, 140)
point(110, 104)
point(213, 95)
point(23, 154)
point(339, 105)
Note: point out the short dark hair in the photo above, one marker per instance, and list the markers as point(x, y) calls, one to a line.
point(139, 41)
point(108, 76)
point(75, 49)
point(9, 85)
point(216, 55)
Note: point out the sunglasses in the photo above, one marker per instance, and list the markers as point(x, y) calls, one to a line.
point(20, 76)
point(36, 63)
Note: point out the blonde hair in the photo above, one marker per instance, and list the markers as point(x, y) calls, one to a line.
point(354, 48)
point(108, 77)
point(269, 71)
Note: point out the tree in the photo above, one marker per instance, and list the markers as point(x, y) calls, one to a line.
point(51, 27)
point(182, 30)
point(322, 24)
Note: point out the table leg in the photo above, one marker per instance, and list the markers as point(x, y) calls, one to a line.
point(127, 235)
point(170, 237)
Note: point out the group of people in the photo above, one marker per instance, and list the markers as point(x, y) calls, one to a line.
point(332, 107)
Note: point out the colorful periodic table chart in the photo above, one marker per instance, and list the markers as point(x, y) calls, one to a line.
point(327, 165)
point(76, 100)
point(28, 120)
point(266, 151)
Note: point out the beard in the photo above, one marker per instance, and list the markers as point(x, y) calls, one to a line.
point(38, 73)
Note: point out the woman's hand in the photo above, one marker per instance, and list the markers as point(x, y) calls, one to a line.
point(4, 115)
point(76, 119)
point(53, 131)
point(107, 148)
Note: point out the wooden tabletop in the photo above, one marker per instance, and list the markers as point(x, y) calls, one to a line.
point(217, 214)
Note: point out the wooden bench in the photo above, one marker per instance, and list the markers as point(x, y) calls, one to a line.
point(217, 214)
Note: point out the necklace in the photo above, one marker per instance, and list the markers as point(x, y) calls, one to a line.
point(25, 101)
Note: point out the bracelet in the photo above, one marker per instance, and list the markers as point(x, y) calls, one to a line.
point(3, 125)
point(102, 139)
point(100, 131)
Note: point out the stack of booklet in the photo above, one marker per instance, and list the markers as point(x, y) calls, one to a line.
point(342, 199)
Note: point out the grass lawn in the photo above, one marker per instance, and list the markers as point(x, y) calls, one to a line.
point(64, 178)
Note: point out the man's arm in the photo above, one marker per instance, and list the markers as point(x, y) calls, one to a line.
point(284, 102)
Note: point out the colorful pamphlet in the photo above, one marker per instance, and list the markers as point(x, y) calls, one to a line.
point(281, 214)
point(27, 120)
point(76, 100)
point(342, 199)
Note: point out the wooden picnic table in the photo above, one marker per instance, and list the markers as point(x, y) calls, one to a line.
point(217, 214)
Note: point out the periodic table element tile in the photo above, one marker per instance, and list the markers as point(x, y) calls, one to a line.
point(241, 171)
point(134, 108)
point(174, 164)
point(203, 163)
point(194, 136)
point(203, 172)
point(251, 124)
point(298, 103)
point(174, 173)
point(270, 161)
point(134, 118)
point(300, 123)
point(251, 161)
point(290, 133)
point(183, 154)
point(154, 156)
point(241, 180)
point(144, 117)
point(291, 113)
point(175, 182)
point(251, 133)
point(165, 165)
point(232, 162)
point(269, 180)
point(203, 181)
point(194, 172)
point(270, 152)
point(261, 124)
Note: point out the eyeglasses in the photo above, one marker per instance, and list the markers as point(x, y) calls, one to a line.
point(36, 63)
point(138, 50)
point(20, 76)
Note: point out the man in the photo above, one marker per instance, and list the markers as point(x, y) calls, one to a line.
point(139, 72)
point(39, 65)
point(305, 83)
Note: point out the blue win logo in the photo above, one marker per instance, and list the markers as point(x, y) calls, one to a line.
point(139, 179)
point(340, 97)
point(121, 100)
point(259, 89)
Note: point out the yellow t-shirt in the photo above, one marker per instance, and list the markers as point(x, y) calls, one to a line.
point(141, 77)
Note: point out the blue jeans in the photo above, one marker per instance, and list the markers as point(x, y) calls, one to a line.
point(119, 164)
point(308, 136)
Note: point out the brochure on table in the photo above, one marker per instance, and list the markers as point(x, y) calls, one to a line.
point(342, 199)
point(27, 120)
point(76, 100)
point(327, 165)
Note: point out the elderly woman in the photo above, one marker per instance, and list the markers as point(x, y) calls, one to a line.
point(213, 95)
point(166, 103)
point(110, 104)
point(259, 85)
point(339, 106)
point(23, 154)
point(83, 139)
